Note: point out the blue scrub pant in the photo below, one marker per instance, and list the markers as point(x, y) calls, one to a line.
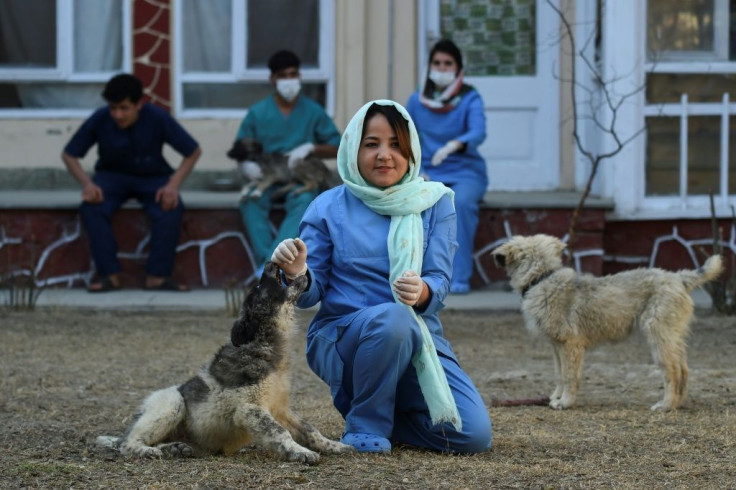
point(254, 213)
point(468, 195)
point(383, 391)
point(97, 219)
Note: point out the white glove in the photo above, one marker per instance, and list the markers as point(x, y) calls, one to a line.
point(409, 287)
point(299, 153)
point(251, 170)
point(291, 256)
point(450, 147)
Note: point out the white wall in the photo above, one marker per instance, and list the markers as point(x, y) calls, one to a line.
point(38, 143)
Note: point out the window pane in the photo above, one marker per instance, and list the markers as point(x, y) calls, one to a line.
point(704, 149)
point(663, 156)
point(240, 96)
point(703, 155)
point(496, 37)
point(668, 87)
point(685, 30)
point(283, 24)
point(28, 33)
point(207, 28)
point(98, 38)
point(51, 95)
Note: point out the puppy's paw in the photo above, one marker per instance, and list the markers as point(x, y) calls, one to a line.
point(142, 452)
point(335, 447)
point(302, 456)
point(177, 450)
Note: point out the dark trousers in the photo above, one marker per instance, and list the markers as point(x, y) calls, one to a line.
point(97, 219)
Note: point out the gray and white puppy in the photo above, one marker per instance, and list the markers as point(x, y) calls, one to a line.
point(578, 311)
point(240, 397)
point(311, 173)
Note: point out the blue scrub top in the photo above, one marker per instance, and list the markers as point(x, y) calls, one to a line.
point(137, 150)
point(349, 264)
point(307, 123)
point(465, 123)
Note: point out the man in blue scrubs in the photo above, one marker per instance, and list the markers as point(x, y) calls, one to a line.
point(288, 123)
point(130, 135)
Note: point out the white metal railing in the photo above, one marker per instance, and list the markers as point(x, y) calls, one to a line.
point(684, 110)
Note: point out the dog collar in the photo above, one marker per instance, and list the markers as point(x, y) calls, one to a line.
point(535, 282)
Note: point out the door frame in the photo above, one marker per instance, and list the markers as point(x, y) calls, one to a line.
point(545, 135)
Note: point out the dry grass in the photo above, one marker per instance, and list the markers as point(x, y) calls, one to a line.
point(70, 376)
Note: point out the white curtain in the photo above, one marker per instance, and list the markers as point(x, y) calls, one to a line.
point(98, 35)
point(97, 38)
point(206, 35)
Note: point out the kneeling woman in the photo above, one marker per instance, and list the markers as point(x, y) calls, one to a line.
point(380, 261)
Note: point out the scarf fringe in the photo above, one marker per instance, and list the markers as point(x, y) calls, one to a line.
point(433, 381)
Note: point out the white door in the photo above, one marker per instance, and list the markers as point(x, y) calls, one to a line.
point(510, 50)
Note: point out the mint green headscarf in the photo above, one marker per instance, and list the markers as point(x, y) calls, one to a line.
point(403, 202)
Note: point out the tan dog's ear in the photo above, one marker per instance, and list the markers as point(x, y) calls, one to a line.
point(560, 247)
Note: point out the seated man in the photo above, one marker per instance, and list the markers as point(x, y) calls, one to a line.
point(290, 123)
point(130, 135)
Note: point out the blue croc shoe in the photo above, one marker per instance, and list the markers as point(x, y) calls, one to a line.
point(366, 443)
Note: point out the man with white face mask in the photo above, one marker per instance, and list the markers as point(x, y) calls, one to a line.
point(289, 123)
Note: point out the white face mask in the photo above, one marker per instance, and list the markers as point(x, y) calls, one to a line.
point(288, 88)
point(441, 78)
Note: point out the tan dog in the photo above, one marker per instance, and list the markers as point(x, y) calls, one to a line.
point(576, 311)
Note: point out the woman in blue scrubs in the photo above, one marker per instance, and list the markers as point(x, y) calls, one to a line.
point(451, 122)
point(378, 251)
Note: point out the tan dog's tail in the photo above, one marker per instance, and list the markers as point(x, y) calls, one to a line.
point(709, 271)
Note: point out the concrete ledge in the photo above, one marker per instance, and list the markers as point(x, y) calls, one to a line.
point(214, 299)
point(203, 199)
point(70, 199)
point(543, 199)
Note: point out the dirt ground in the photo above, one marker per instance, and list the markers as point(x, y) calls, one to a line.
point(69, 376)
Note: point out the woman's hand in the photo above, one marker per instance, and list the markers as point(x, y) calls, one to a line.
point(410, 288)
point(450, 147)
point(291, 256)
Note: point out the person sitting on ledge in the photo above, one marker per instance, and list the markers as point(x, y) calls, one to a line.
point(130, 135)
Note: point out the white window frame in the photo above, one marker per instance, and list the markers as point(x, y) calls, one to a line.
point(624, 175)
point(239, 72)
point(64, 70)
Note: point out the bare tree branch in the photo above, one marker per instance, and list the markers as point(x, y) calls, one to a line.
point(609, 99)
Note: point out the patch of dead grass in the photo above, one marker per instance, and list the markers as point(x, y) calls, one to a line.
point(70, 376)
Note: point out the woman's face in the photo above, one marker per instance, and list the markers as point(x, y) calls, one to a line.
point(443, 62)
point(379, 160)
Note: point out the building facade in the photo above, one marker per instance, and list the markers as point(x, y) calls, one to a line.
point(650, 101)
